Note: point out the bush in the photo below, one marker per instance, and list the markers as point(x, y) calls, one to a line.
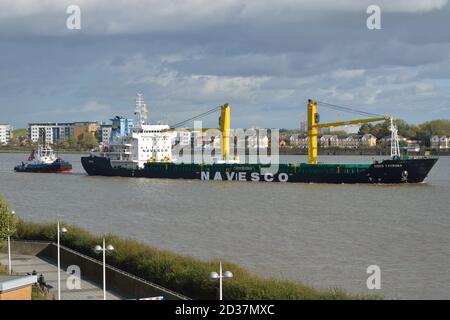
point(179, 273)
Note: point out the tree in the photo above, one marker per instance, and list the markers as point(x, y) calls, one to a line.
point(8, 221)
point(365, 128)
point(405, 129)
point(434, 127)
point(87, 141)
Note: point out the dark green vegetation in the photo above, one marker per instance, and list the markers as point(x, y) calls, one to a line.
point(179, 273)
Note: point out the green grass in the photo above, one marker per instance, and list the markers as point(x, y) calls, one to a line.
point(179, 273)
point(37, 295)
point(23, 132)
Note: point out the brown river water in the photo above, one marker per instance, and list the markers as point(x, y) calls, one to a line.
point(322, 235)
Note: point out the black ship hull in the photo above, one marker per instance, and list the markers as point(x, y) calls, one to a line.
point(387, 171)
point(55, 167)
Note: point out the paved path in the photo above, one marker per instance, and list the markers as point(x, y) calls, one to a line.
point(22, 264)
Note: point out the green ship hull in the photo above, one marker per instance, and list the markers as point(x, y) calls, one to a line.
point(406, 170)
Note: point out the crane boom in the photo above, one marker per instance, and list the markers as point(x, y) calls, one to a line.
point(349, 122)
point(314, 126)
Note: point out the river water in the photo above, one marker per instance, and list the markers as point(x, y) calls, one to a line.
point(322, 235)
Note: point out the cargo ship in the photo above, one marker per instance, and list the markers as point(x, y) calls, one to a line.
point(44, 160)
point(147, 153)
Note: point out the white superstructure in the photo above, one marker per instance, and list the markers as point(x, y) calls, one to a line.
point(146, 143)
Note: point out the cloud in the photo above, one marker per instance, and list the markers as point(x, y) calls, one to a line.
point(266, 58)
point(424, 89)
point(113, 17)
point(94, 106)
point(348, 74)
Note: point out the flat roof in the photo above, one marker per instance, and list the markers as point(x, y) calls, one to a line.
point(8, 283)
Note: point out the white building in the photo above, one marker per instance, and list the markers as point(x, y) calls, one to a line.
point(440, 142)
point(257, 141)
point(51, 132)
point(183, 138)
point(105, 131)
point(5, 133)
point(329, 140)
point(300, 141)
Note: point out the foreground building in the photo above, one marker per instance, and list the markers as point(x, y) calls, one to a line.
point(16, 287)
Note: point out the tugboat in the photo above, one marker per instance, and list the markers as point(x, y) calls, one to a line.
point(44, 160)
point(146, 152)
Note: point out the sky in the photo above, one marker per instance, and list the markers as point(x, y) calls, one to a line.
point(264, 57)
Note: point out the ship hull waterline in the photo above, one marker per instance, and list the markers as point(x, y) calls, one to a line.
point(387, 171)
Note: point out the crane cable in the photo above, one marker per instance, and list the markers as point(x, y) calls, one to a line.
point(348, 109)
point(201, 115)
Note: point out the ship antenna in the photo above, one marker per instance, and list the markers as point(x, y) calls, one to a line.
point(141, 110)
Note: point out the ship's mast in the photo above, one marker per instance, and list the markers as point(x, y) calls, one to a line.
point(141, 111)
point(395, 146)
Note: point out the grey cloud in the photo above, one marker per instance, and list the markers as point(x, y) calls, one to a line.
point(266, 58)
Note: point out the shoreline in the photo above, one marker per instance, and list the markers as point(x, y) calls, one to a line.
point(56, 151)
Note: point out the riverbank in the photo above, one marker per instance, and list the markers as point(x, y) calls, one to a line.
point(179, 273)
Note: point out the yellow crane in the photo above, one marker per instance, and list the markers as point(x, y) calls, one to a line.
point(314, 125)
point(225, 124)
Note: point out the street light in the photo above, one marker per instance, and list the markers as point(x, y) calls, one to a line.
point(103, 249)
point(63, 231)
point(213, 276)
point(9, 248)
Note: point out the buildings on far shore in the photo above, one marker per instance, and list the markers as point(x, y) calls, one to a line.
point(119, 126)
point(440, 142)
point(333, 141)
point(59, 132)
point(6, 133)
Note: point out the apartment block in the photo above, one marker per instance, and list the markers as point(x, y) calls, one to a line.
point(5, 133)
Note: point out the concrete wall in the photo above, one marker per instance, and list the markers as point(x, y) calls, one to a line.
point(30, 248)
point(122, 283)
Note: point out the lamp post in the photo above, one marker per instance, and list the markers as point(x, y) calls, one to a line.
point(9, 248)
point(103, 249)
point(219, 276)
point(60, 230)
